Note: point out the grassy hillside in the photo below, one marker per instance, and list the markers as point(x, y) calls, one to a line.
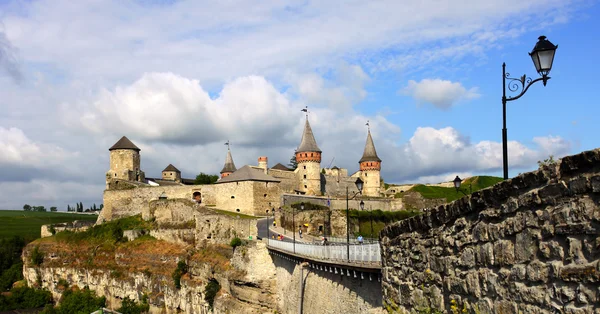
point(450, 194)
point(28, 224)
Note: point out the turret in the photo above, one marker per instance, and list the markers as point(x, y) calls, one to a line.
point(124, 162)
point(263, 163)
point(171, 174)
point(370, 168)
point(229, 166)
point(308, 157)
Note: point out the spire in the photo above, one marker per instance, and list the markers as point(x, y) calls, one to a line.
point(370, 154)
point(229, 165)
point(124, 143)
point(308, 143)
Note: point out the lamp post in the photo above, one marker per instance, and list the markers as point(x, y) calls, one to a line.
point(359, 186)
point(268, 237)
point(542, 56)
point(457, 182)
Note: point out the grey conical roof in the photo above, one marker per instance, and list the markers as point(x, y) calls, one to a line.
point(229, 165)
point(124, 143)
point(170, 167)
point(370, 154)
point(308, 143)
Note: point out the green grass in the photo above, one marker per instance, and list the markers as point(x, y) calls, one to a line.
point(28, 224)
point(110, 232)
point(233, 214)
point(450, 194)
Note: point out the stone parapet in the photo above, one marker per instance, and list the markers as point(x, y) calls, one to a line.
point(529, 244)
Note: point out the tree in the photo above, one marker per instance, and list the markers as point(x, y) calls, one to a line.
point(53, 209)
point(204, 178)
point(101, 206)
point(94, 207)
point(80, 206)
point(68, 208)
point(293, 163)
point(27, 207)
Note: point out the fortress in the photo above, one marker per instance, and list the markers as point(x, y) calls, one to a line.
point(248, 190)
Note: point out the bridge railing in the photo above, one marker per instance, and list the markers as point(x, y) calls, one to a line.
point(353, 240)
point(358, 253)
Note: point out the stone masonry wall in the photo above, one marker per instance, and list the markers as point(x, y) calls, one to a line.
point(530, 244)
point(336, 204)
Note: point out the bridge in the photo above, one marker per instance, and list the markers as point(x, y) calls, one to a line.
point(364, 260)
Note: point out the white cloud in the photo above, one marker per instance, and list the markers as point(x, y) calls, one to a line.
point(440, 93)
point(17, 149)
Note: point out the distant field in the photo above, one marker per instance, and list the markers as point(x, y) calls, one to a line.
point(450, 194)
point(28, 224)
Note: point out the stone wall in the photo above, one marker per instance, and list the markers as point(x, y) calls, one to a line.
point(530, 244)
point(384, 204)
point(75, 226)
point(136, 200)
point(324, 292)
point(289, 180)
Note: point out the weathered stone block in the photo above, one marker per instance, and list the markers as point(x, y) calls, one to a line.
point(484, 254)
point(537, 271)
point(480, 232)
point(505, 307)
point(518, 272)
point(535, 294)
point(504, 252)
point(472, 281)
point(580, 273)
point(526, 245)
point(467, 257)
point(595, 182)
point(579, 185)
point(575, 228)
point(455, 285)
point(551, 192)
point(551, 250)
point(575, 253)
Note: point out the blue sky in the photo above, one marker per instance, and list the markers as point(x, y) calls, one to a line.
point(179, 78)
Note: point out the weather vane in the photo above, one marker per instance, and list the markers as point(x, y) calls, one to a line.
point(227, 143)
point(368, 126)
point(305, 110)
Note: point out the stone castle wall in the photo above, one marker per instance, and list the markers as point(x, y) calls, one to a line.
point(338, 203)
point(135, 200)
point(289, 179)
point(530, 244)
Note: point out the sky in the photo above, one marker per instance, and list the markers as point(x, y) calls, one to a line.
point(180, 78)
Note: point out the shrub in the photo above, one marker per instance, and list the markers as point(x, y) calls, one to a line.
point(37, 257)
point(235, 242)
point(24, 298)
point(129, 306)
point(210, 292)
point(181, 270)
point(10, 276)
point(79, 301)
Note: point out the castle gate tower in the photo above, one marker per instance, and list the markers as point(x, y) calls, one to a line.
point(308, 157)
point(124, 162)
point(229, 166)
point(370, 168)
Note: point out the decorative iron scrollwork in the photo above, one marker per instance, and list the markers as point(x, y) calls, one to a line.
point(517, 84)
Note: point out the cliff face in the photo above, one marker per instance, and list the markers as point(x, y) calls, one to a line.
point(530, 244)
point(144, 268)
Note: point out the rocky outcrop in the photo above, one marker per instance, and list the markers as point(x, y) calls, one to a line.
point(530, 244)
point(247, 284)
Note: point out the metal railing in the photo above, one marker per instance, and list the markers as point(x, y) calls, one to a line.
point(338, 241)
point(358, 253)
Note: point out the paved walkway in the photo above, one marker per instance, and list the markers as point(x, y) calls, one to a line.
point(306, 238)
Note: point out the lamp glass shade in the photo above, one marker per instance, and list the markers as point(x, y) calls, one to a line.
point(301, 206)
point(362, 205)
point(457, 181)
point(359, 184)
point(542, 56)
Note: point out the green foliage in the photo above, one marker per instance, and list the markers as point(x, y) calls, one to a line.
point(10, 276)
point(386, 186)
point(129, 306)
point(380, 219)
point(24, 298)
point(81, 301)
point(210, 291)
point(28, 224)
point(37, 257)
point(204, 178)
point(293, 163)
point(233, 214)
point(323, 171)
point(235, 242)
point(450, 194)
point(309, 206)
point(26, 207)
point(111, 232)
point(181, 270)
point(53, 209)
point(550, 161)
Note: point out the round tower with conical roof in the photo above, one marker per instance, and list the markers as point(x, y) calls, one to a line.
point(124, 162)
point(370, 168)
point(308, 157)
point(229, 166)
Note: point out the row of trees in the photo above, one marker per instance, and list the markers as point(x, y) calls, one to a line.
point(29, 208)
point(79, 208)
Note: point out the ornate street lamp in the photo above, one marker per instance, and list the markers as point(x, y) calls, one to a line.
point(359, 186)
point(457, 182)
point(542, 56)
